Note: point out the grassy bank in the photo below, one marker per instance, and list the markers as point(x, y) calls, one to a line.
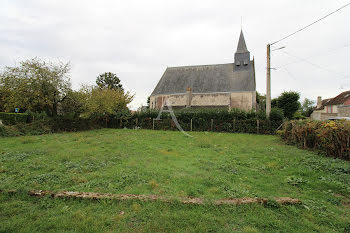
point(209, 166)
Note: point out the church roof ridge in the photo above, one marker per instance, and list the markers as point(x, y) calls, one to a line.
point(197, 66)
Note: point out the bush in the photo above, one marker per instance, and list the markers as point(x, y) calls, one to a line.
point(13, 118)
point(333, 137)
point(276, 114)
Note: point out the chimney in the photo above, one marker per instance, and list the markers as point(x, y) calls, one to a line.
point(188, 97)
point(319, 101)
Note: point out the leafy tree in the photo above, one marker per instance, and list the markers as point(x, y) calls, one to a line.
point(260, 101)
point(2, 107)
point(99, 102)
point(72, 105)
point(307, 107)
point(288, 101)
point(274, 103)
point(148, 101)
point(109, 80)
point(35, 85)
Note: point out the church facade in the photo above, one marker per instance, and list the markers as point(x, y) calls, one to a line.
point(229, 85)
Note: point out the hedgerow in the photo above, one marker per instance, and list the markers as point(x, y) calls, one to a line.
point(234, 121)
point(333, 137)
point(13, 118)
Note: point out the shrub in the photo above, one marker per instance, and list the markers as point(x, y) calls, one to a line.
point(276, 114)
point(13, 118)
point(333, 137)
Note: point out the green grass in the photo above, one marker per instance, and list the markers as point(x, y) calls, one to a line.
point(209, 165)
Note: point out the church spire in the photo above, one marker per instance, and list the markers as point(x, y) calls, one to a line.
point(242, 55)
point(241, 47)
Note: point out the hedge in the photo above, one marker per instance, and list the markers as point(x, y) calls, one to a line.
point(202, 120)
point(333, 137)
point(235, 121)
point(13, 118)
point(54, 125)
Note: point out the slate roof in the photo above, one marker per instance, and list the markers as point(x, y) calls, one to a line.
point(210, 78)
point(339, 99)
point(241, 47)
point(207, 79)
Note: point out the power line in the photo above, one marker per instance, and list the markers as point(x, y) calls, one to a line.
point(301, 29)
point(318, 55)
point(317, 66)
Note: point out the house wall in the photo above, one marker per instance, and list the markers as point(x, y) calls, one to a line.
point(326, 116)
point(344, 111)
point(322, 116)
point(316, 115)
point(331, 109)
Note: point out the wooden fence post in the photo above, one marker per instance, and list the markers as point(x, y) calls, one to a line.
point(153, 124)
point(191, 124)
point(212, 124)
point(257, 126)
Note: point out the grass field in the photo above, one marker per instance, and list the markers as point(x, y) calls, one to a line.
point(209, 165)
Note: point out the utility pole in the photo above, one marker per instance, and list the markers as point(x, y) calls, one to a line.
point(268, 83)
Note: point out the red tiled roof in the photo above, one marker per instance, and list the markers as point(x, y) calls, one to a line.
point(339, 99)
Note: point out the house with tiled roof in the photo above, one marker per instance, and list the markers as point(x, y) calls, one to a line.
point(338, 106)
point(230, 85)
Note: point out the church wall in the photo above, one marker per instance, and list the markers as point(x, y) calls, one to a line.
point(156, 102)
point(215, 99)
point(177, 100)
point(242, 100)
point(152, 101)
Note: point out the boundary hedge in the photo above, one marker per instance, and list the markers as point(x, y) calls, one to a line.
point(234, 121)
point(333, 137)
point(8, 118)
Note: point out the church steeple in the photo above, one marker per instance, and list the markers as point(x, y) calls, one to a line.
point(242, 47)
point(242, 55)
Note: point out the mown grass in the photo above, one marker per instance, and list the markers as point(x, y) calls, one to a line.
point(209, 165)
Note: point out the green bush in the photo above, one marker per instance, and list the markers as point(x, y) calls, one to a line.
point(13, 118)
point(333, 137)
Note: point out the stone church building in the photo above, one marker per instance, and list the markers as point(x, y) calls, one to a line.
point(229, 85)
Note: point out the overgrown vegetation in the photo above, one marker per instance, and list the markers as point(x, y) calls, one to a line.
point(166, 163)
point(333, 137)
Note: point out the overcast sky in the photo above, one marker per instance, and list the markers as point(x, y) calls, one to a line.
point(137, 40)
